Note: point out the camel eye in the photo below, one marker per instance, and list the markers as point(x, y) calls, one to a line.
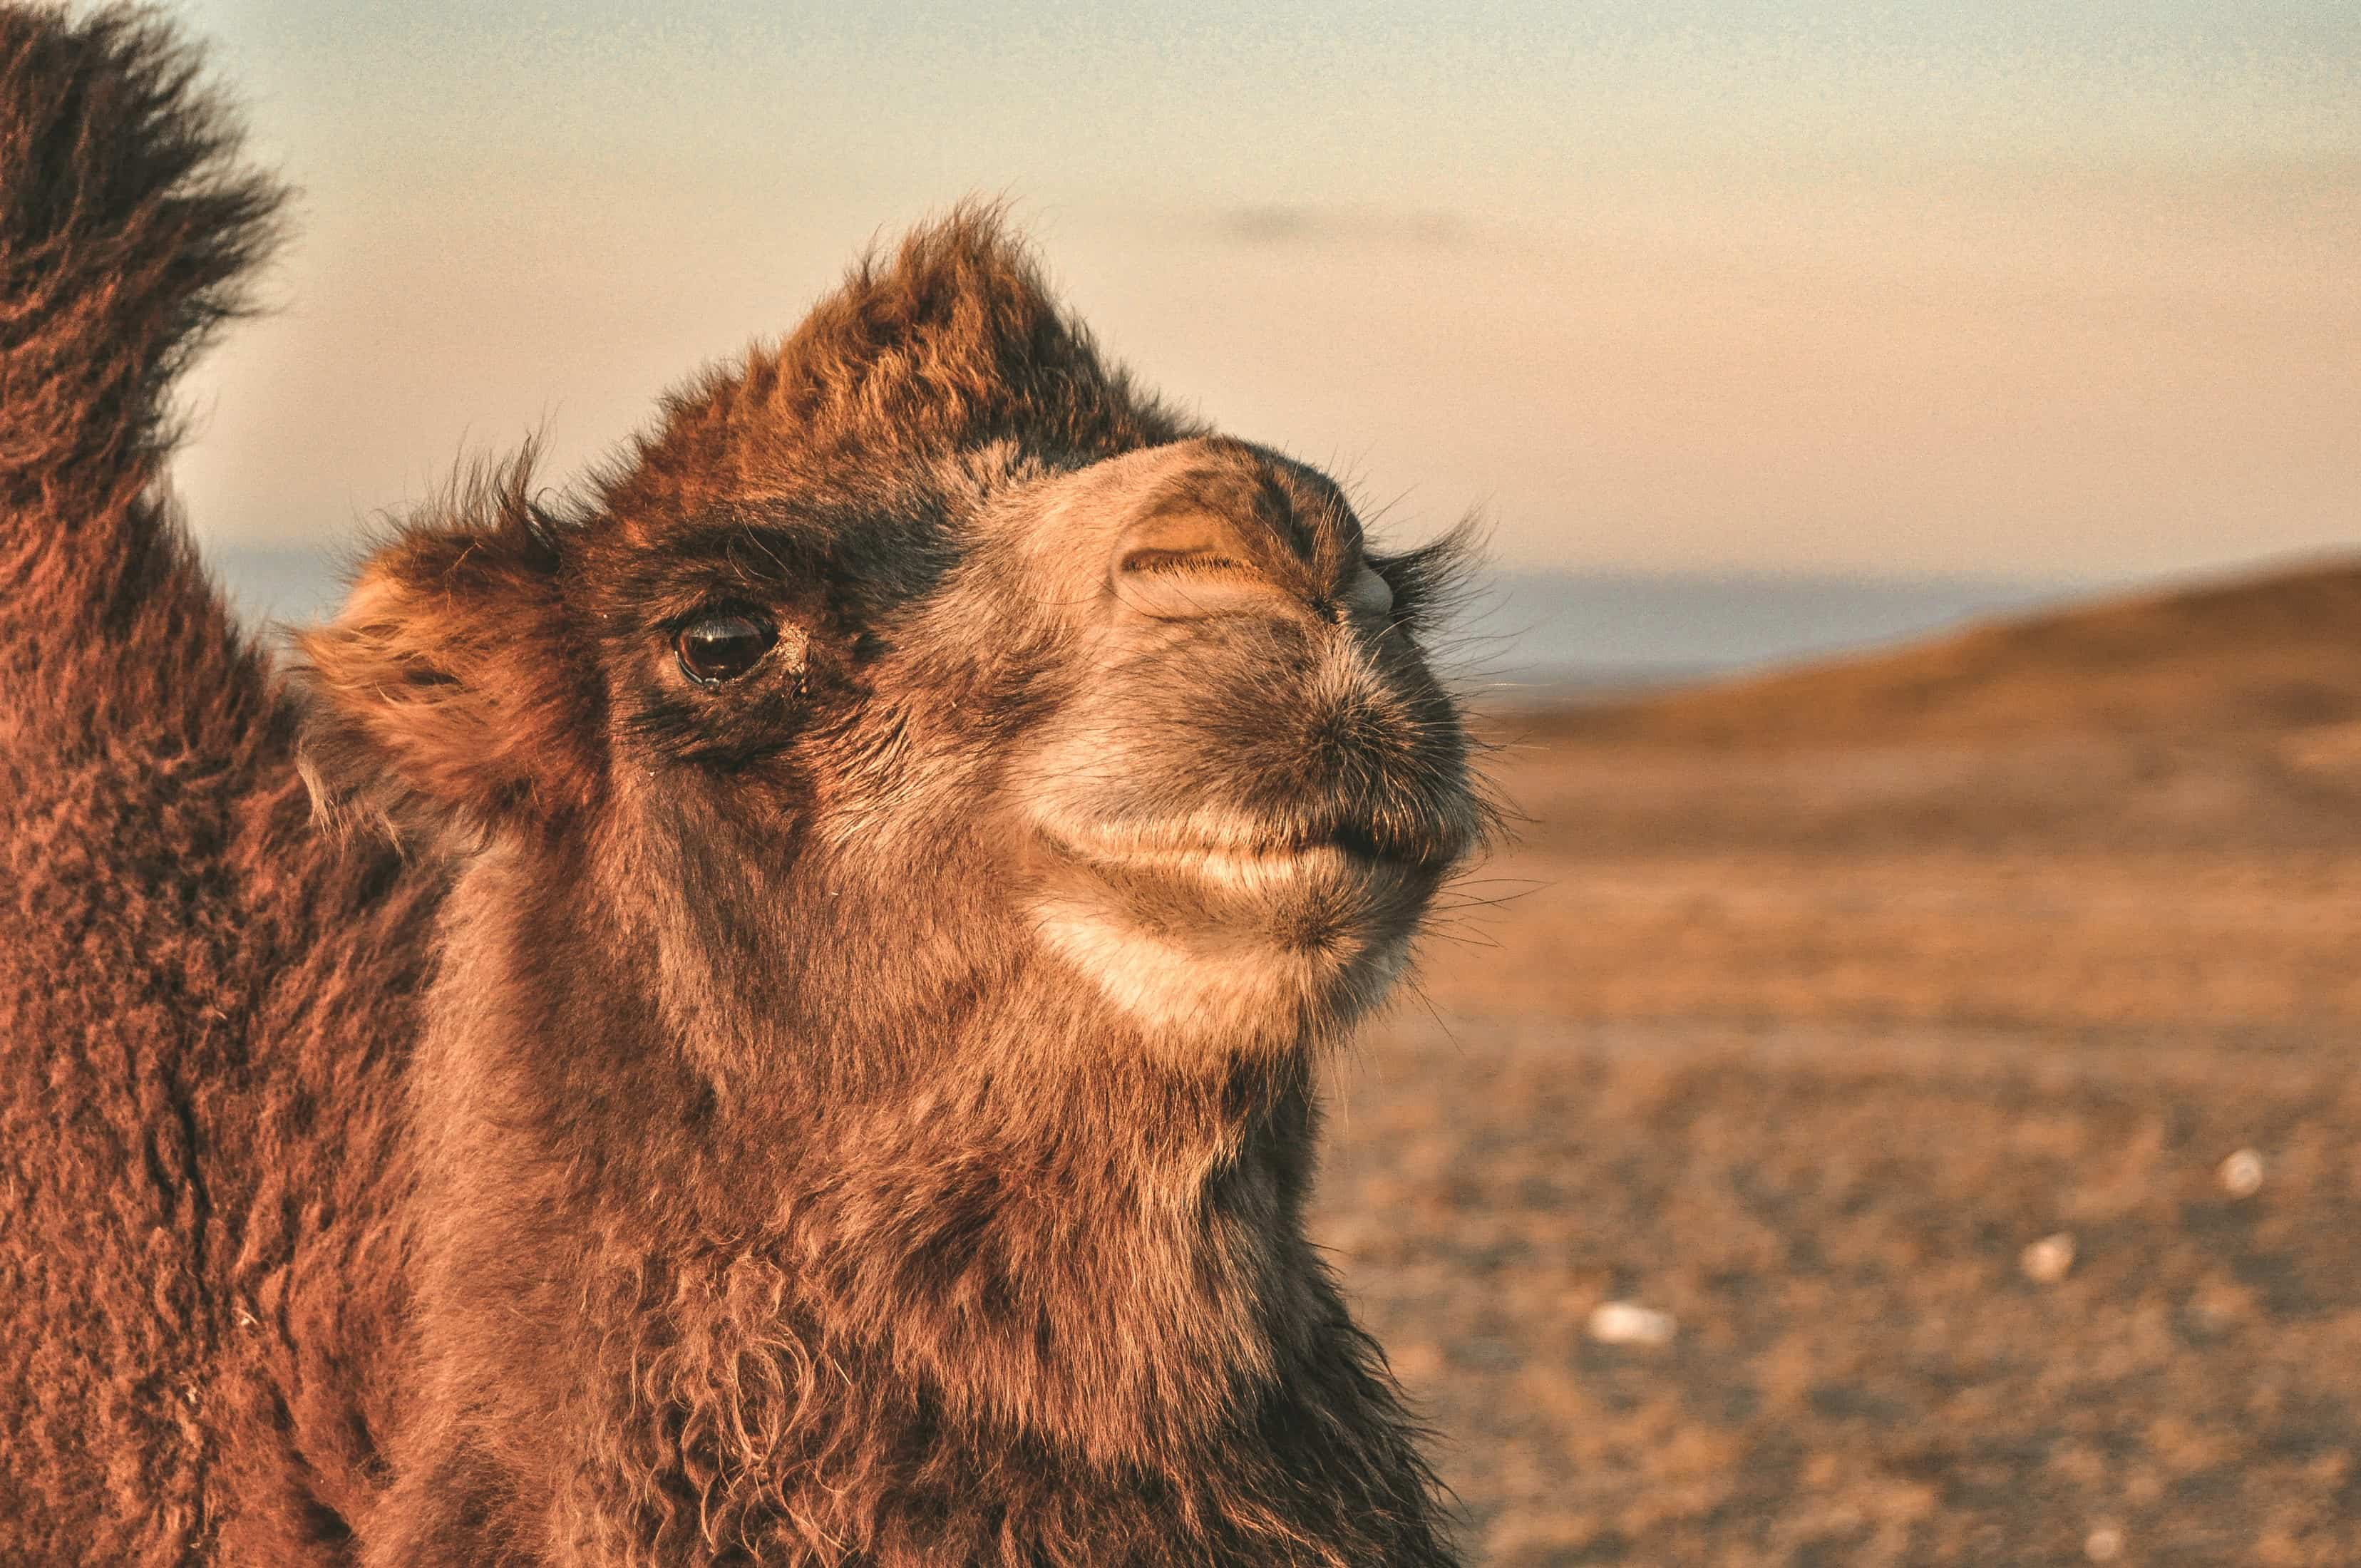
point(717, 648)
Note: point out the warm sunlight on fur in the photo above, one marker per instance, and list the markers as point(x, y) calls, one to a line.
point(765, 1007)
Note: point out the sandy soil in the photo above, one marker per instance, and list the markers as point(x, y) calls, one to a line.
point(1804, 1045)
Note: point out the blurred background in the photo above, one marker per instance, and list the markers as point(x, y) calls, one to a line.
point(1774, 325)
point(1892, 1101)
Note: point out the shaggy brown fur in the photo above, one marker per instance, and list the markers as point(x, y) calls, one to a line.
point(853, 1109)
point(203, 1005)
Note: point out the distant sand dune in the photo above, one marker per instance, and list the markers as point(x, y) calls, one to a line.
point(2262, 656)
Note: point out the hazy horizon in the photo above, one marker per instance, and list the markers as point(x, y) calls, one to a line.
point(1538, 631)
point(1740, 287)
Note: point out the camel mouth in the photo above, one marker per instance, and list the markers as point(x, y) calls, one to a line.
point(1428, 849)
point(1245, 937)
point(1250, 859)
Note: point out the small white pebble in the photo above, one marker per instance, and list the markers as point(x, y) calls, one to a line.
point(2103, 1544)
point(2242, 1174)
point(1628, 1322)
point(2045, 1262)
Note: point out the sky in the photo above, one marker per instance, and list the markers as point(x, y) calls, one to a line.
point(2012, 289)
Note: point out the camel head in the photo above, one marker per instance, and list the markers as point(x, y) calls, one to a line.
point(919, 680)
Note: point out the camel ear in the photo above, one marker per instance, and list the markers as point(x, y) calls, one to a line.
point(448, 694)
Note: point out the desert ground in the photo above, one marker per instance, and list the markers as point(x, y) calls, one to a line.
point(1799, 1009)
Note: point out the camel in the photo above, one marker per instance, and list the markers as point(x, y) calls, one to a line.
point(766, 1008)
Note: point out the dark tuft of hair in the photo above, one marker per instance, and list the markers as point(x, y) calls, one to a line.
point(128, 232)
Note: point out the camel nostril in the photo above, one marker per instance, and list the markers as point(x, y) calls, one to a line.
point(1170, 562)
point(1187, 565)
point(1183, 539)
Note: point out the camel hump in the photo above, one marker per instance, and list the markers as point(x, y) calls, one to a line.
point(127, 229)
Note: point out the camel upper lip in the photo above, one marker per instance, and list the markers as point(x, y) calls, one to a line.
point(1430, 849)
